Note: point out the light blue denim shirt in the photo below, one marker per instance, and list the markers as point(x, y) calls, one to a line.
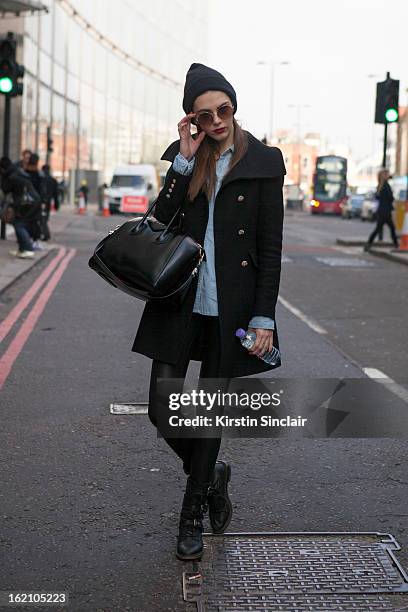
point(206, 297)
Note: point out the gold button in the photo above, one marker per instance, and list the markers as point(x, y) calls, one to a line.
point(170, 189)
point(240, 198)
point(241, 232)
point(173, 181)
point(244, 263)
point(168, 195)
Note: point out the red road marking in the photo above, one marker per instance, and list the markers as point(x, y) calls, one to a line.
point(13, 316)
point(17, 344)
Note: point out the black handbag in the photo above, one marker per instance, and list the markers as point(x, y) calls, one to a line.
point(149, 260)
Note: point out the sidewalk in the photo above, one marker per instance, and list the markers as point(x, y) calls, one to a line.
point(12, 268)
point(383, 249)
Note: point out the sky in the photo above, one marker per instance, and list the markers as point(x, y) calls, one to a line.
point(332, 47)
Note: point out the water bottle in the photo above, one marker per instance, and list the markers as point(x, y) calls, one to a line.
point(248, 340)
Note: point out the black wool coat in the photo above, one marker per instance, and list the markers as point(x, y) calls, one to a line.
point(248, 223)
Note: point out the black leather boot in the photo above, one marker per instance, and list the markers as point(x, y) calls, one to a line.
point(219, 504)
point(189, 540)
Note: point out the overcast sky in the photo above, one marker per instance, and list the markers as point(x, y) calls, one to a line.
point(332, 47)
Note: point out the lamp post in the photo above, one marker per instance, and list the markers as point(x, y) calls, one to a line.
point(272, 65)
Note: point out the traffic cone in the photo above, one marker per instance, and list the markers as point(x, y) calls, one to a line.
point(403, 245)
point(106, 210)
point(81, 204)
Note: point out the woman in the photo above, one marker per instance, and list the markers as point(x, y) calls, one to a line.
point(229, 187)
point(384, 211)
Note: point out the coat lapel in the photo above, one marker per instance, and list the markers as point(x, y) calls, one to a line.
point(260, 161)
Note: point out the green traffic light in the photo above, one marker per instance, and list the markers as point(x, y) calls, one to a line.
point(391, 115)
point(6, 85)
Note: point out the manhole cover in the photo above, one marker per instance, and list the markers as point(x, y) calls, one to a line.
point(297, 572)
point(346, 262)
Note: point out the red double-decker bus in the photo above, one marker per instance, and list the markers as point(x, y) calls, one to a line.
point(329, 185)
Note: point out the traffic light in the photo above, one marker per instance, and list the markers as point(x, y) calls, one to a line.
point(386, 106)
point(10, 71)
point(7, 53)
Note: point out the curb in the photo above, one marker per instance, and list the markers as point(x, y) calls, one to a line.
point(357, 243)
point(390, 256)
point(25, 270)
point(37, 260)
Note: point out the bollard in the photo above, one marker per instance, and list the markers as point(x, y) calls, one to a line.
point(81, 204)
point(106, 210)
point(403, 245)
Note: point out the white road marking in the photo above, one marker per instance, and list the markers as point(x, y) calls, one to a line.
point(374, 373)
point(301, 315)
point(349, 250)
point(131, 408)
point(383, 379)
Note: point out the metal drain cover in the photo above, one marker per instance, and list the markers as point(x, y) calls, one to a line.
point(347, 262)
point(297, 572)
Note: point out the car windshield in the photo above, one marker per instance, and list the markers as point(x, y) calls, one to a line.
point(127, 180)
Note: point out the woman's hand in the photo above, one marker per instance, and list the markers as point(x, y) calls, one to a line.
point(263, 343)
point(188, 145)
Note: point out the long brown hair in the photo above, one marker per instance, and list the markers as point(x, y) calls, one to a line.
point(204, 173)
point(382, 178)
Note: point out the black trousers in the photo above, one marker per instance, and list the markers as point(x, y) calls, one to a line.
point(384, 218)
point(199, 455)
point(45, 216)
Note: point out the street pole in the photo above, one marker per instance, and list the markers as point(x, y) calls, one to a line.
point(384, 159)
point(6, 147)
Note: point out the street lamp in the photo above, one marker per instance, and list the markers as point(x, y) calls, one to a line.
point(272, 65)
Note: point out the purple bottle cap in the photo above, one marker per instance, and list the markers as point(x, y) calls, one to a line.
point(240, 333)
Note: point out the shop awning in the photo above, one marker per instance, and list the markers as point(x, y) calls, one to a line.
point(18, 7)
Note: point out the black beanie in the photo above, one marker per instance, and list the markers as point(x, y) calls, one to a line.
point(201, 78)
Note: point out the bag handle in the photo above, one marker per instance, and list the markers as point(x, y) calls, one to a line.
point(138, 226)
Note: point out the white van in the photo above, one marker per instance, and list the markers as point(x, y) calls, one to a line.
point(133, 188)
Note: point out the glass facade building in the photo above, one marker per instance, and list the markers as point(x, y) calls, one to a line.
point(106, 78)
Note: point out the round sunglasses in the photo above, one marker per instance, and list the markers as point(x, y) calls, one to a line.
point(206, 118)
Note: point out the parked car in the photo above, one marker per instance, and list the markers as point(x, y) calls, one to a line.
point(369, 208)
point(353, 205)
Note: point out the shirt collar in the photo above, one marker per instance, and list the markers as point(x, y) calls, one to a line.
point(230, 149)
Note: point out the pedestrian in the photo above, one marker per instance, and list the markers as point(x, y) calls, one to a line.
point(50, 194)
point(62, 189)
point(101, 195)
point(37, 180)
point(25, 204)
point(84, 190)
point(25, 159)
point(385, 207)
point(229, 185)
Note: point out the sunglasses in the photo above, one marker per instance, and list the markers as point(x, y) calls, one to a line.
point(206, 118)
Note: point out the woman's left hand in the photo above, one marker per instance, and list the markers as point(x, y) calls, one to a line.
point(263, 343)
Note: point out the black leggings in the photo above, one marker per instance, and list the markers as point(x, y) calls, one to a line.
point(384, 218)
point(199, 455)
